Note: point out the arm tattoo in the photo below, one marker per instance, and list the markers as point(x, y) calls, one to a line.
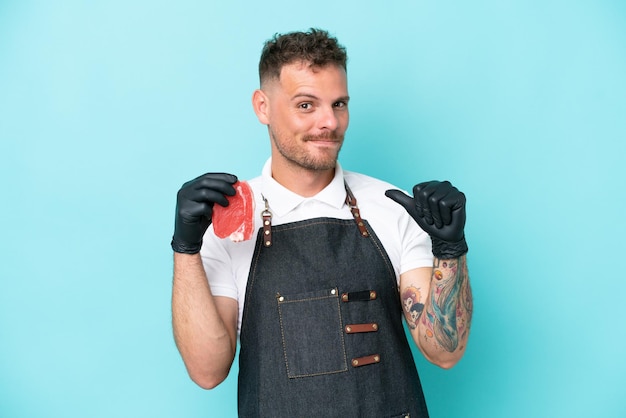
point(450, 307)
point(412, 305)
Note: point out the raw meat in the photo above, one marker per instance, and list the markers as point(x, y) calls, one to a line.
point(236, 220)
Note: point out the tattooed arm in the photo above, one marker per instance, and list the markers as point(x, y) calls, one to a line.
point(437, 305)
point(437, 302)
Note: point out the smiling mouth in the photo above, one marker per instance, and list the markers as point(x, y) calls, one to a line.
point(323, 141)
point(326, 138)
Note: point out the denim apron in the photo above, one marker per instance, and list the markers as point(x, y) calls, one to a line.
point(322, 333)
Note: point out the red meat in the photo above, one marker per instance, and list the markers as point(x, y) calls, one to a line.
point(236, 220)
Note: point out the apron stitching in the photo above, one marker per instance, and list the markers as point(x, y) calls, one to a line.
point(278, 228)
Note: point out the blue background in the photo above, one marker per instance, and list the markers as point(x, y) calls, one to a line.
point(107, 107)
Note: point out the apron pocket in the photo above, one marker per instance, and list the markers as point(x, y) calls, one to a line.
point(312, 333)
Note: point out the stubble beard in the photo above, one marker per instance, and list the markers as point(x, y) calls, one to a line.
point(299, 157)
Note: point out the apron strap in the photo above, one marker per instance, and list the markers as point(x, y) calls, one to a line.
point(351, 202)
point(267, 223)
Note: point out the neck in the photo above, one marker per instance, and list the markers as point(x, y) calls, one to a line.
point(299, 180)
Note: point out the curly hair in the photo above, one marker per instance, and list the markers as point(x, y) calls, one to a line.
point(315, 47)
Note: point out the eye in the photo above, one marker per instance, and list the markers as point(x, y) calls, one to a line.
point(340, 104)
point(305, 106)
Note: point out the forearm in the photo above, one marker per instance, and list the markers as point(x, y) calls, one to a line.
point(206, 340)
point(442, 329)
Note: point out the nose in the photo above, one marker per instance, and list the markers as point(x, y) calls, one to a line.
point(328, 119)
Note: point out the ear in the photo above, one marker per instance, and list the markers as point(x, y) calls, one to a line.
point(260, 103)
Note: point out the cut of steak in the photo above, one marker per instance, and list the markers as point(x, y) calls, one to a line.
point(236, 220)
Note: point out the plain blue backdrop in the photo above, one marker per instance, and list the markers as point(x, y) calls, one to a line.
point(107, 107)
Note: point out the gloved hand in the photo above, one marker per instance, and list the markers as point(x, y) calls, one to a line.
point(194, 208)
point(439, 209)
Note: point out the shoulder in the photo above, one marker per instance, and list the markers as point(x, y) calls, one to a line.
point(359, 181)
point(406, 244)
point(255, 182)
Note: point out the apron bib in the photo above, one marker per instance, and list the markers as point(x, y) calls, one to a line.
point(322, 332)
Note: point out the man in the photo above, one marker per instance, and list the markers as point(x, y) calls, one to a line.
point(316, 298)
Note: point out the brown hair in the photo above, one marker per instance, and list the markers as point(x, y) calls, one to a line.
point(315, 47)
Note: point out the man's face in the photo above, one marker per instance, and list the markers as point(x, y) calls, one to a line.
point(307, 115)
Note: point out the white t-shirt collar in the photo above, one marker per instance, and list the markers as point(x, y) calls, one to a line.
point(283, 200)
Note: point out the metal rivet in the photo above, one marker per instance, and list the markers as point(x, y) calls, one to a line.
point(376, 359)
point(355, 362)
point(266, 222)
point(334, 291)
point(267, 232)
point(281, 298)
point(374, 327)
point(372, 295)
point(268, 243)
point(344, 297)
point(364, 233)
point(348, 329)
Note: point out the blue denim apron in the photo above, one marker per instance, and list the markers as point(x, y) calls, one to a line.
point(322, 333)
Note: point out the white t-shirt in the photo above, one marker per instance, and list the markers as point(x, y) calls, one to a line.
point(227, 264)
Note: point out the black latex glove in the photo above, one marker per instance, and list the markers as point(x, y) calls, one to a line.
point(194, 209)
point(439, 209)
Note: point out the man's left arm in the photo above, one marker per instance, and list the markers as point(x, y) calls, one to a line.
point(437, 301)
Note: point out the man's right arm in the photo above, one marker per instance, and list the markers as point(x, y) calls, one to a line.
point(205, 326)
